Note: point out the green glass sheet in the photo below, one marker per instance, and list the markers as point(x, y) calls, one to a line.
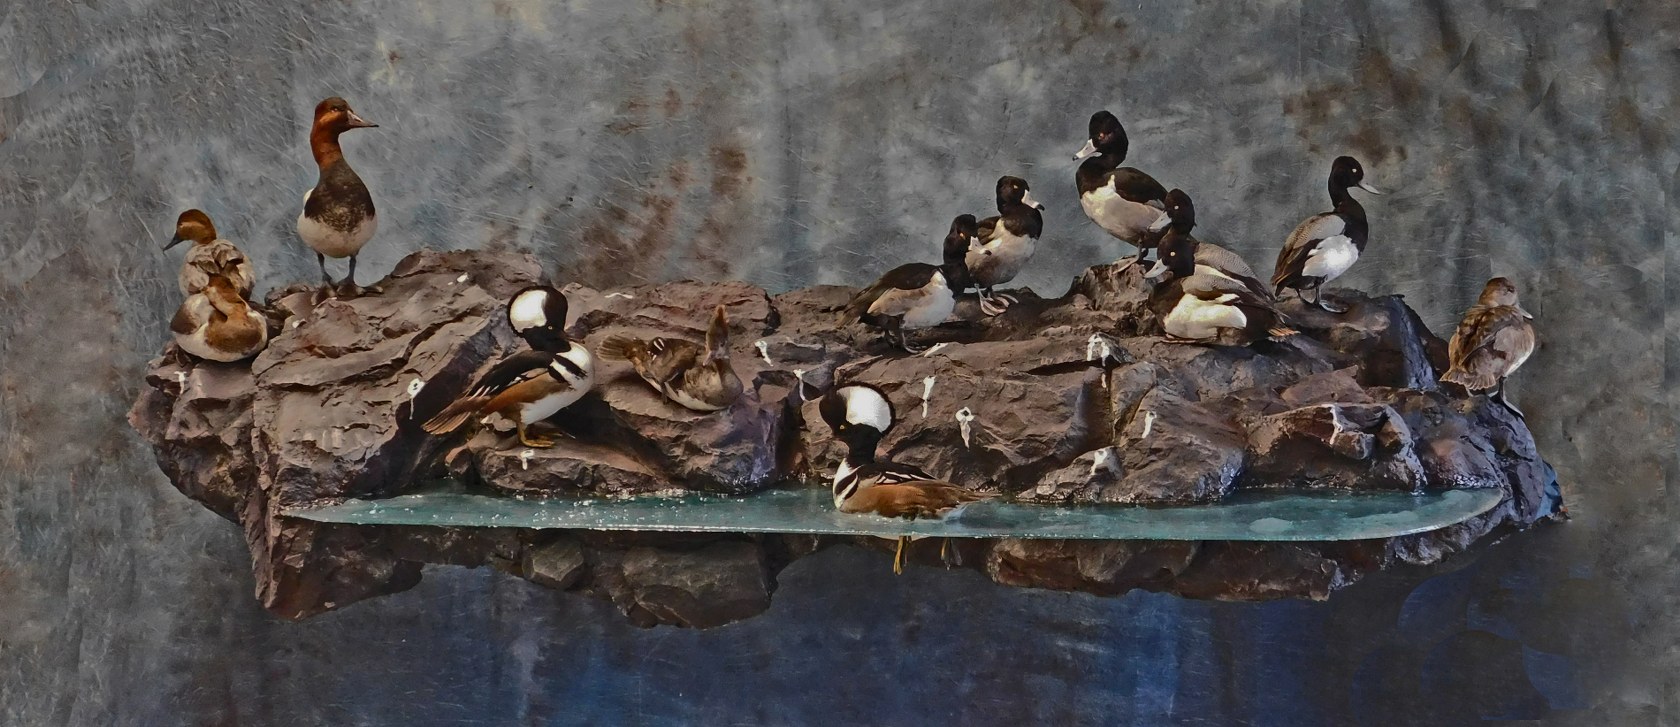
point(1274, 515)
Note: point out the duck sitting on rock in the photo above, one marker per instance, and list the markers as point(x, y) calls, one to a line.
point(218, 324)
point(694, 376)
point(528, 386)
point(1199, 300)
point(209, 255)
point(918, 295)
point(1495, 338)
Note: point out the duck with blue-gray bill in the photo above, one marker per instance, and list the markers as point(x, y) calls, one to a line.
point(1123, 201)
point(1326, 245)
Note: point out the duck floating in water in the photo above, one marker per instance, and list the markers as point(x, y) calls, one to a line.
point(1326, 245)
point(1200, 299)
point(859, 415)
point(1123, 201)
point(695, 376)
point(528, 386)
point(338, 216)
point(918, 295)
point(209, 255)
point(1492, 342)
point(1005, 243)
point(217, 324)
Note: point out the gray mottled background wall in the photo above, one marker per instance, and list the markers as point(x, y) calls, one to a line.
point(791, 143)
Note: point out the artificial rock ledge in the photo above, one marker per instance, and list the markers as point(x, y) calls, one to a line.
point(1061, 416)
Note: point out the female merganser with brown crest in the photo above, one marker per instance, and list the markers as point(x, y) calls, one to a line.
point(1125, 202)
point(860, 415)
point(694, 376)
point(209, 256)
point(338, 216)
point(918, 295)
point(1326, 245)
point(1005, 243)
point(528, 386)
point(1201, 299)
point(217, 324)
point(1492, 342)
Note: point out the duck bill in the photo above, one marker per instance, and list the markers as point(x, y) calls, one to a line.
point(1369, 188)
point(1524, 312)
point(1156, 271)
point(173, 241)
point(357, 122)
point(1089, 150)
point(1160, 223)
point(1027, 199)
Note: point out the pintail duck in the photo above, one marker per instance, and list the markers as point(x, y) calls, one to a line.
point(209, 256)
point(918, 295)
point(1492, 342)
point(528, 386)
point(1200, 299)
point(1005, 243)
point(338, 216)
point(695, 376)
point(217, 324)
point(1123, 201)
point(1326, 245)
point(860, 415)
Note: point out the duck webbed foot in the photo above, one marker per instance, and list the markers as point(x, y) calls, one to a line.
point(1499, 396)
point(1318, 300)
point(530, 440)
point(993, 304)
point(898, 556)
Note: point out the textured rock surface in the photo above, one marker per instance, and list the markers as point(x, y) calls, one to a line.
point(1063, 401)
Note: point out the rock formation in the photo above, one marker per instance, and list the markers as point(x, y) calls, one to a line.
point(1072, 400)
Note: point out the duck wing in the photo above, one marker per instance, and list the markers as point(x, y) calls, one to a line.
point(912, 276)
point(1293, 257)
point(512, 371)
point(1134, 185)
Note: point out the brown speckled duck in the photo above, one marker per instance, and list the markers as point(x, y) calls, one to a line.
point(209, 256)
point(695, 376)
point(1492, 342)
point(217, 324)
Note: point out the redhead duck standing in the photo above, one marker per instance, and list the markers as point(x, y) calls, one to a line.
point(338, 216)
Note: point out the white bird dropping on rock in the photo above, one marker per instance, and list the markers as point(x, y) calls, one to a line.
point(1148, 423)
point(764, 351)
point(935, 347)
point(800, 375)
point(964, 417)
point(1098, 459)
point(525, 459)
point(414, 388)
point(927, 394)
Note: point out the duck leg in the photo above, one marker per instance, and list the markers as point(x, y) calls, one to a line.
point(349, 286)
point(1499, 396)
point(526, 439)
point(898, 556)
point(991, 304)
point(895, 328)
point(1318, 300)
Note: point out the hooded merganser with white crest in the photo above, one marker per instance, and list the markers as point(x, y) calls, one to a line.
point(1005, 243)
point(528, 386)
point(918, 295)
point(694, 376)
point(217, 324)
point(860, 415)
point(338, 216)
point(1492, 342)
point(1326, 245)
point(209, 255)
point(1125, 202)
point(1201, 299)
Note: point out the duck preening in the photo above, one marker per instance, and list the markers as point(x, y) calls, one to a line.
point(218, 324)
point(1492, 342)
point(1201, 298)
point(1326, 245)
point(1005, 243)
point(209, 255)
point(859, 415)
point(338, 216)
point(1123, 201)
point(918, 295)
point(528, 386)
point(695, 376)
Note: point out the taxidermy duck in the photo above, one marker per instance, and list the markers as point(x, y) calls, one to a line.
point(1326, 245)
point(217, 324)
point(693, 375)
point(1125, 202)
point(1492, 342)
point(209, 255)
point(859, 415)
point(528, 386)
point(1005, 243)
point(338, 216)
point(1199, 299)
point(918, 295)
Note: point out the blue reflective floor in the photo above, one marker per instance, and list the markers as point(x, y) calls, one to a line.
point(1265, 515)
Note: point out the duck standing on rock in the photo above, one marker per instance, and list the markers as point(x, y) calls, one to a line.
point(694, 376)
point(210, 255)
point(1201, 299)
point(859, 415)
point(218, 324)
point(1125, 202)
point(528, 386)
point(1326, 245)
point(918, 295)
point(1492, 342)
point(338, 216)
point(1005, 243)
